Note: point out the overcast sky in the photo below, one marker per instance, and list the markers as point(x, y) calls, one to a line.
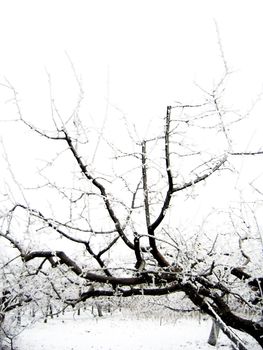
point(133, 58)
point(142, 55)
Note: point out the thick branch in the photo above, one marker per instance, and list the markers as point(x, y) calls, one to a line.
point(242, 275)
point(50, 224)
point(152, 241)
point(174, 287)
point(137, 249)
point(230, 334)
point(169, 192)
point(198, 296)
point(151, 227)
point(64, 259)
point(129, 281)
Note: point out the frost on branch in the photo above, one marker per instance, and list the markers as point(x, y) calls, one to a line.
point(123, 216)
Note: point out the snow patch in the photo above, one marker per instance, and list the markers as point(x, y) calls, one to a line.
point(118, 332)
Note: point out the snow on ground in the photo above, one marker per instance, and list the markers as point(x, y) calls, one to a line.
point(118, 332)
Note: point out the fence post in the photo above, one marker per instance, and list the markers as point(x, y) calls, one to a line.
point(212, 340)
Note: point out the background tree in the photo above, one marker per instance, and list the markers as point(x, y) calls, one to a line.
point(121, 222)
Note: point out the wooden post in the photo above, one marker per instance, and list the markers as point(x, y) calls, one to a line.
point(212, 340)
point(237, 342)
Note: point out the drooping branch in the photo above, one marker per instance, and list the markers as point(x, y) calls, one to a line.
point(13, 242)
point(231, 335)
point(255, 283)
point(63, 259)
point(61, 232)
point(198, 295)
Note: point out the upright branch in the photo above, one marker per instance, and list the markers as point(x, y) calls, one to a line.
point(140, 262)
point(152, 227)
point(145, 185)
point(169, 192)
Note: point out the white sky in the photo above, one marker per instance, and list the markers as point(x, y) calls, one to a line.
point(140, 55)
point(143, 55)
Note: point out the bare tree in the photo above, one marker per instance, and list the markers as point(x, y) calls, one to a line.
point(114, 229)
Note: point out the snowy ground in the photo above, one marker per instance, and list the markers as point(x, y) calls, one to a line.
point(118, 332)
